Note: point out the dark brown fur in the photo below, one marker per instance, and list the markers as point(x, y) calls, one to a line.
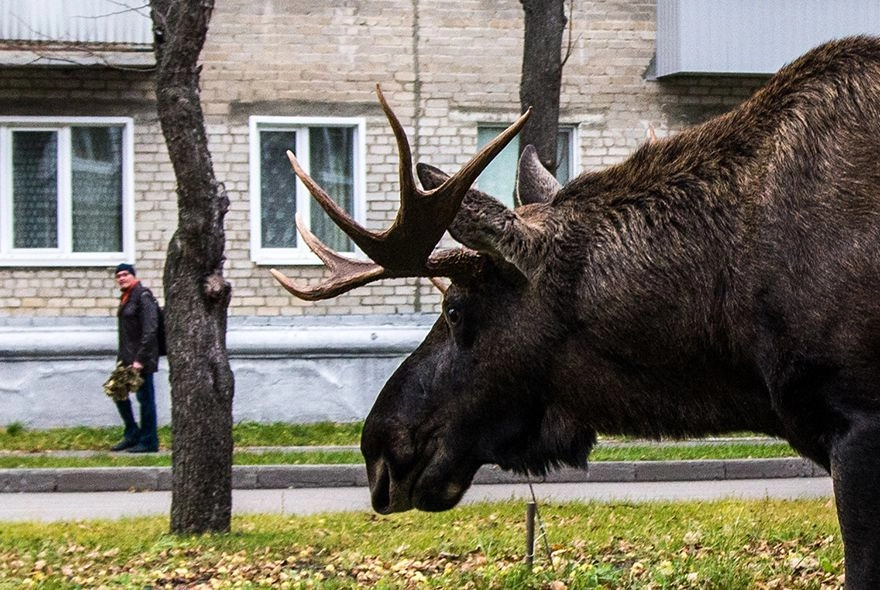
point(723, 279)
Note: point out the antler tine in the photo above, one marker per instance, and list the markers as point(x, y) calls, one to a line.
point(346, 274)
point(424, 216)
point(362, 237)
point(365, 239)
point(404, 153)
point(462, 180)
point(404, 249)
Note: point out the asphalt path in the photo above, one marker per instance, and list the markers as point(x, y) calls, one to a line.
point(55, 506)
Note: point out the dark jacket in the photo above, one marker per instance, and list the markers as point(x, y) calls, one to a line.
point(138, 324)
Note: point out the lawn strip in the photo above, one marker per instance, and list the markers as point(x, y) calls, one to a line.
point(348, 455)
point(736, 545)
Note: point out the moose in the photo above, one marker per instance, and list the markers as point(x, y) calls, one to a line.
point(726, 278)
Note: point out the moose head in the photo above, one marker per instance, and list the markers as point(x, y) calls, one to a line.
point(474, 391)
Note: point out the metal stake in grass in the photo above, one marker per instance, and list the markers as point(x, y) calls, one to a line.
point(533, 513)
point(531, 508)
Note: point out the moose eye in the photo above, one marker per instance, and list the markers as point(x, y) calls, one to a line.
point(453, 316)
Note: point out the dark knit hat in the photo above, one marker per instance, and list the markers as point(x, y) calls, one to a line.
point(125, 267)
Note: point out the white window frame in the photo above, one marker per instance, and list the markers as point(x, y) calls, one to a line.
point(300, 255)
point(63, 255)
point(574, 155)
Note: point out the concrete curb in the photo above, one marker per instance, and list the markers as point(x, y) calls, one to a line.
point(108, 479)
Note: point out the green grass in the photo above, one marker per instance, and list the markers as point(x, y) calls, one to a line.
point(731, 545)
point(15, 437)
point(14, 461)
point(280, 434)
point(727, 450)
point(18, 439)
point(342, 457)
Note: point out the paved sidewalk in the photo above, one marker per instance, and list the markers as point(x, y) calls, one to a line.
point(49, 494)
point(113, 505)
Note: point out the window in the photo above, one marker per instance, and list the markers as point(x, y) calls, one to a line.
point(66, 191)
point(331, 151)
point(499, 177)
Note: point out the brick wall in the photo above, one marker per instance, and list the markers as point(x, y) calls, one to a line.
point(444, 66)
point(90, 291)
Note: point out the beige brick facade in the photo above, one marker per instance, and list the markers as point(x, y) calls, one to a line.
point(444, 66)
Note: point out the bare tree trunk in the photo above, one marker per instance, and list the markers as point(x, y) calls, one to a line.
point(541, 80)
point(196, 294)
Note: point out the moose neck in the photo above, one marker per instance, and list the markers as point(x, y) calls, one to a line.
point(657, 262)
point(661, 236)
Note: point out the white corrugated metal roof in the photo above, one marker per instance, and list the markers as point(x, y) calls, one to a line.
point(76, 21)
point(752, 36)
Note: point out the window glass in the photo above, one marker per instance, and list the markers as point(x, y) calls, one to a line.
point(499, 177)
point(35, 189)
point(277, 190)
point(564, 156)
point(331, 159)
point(96, 189)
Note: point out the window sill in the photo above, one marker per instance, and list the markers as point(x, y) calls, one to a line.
point(61, 261)
point(302, 259)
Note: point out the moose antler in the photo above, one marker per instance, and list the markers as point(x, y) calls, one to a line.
point(405, 248)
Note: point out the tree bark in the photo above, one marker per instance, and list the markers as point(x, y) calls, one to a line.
point(196, 294)
point(541, 81)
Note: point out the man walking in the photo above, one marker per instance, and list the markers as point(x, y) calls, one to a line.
point(138, 325)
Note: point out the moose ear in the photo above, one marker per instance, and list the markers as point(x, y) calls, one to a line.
point(487, 225)
point(429, 176)
point(534, 183)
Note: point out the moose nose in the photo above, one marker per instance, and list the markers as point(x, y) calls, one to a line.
point(389, 453)
point(387, 439)
point(380, 488)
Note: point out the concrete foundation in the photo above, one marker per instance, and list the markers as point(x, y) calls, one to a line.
point(285, 371)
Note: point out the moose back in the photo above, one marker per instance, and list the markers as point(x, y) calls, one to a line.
point(723, 279)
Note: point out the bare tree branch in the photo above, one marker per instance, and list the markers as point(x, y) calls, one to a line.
point(49, 48)
point(571, 42)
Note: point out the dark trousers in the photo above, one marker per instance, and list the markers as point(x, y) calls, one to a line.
point(145, 434)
